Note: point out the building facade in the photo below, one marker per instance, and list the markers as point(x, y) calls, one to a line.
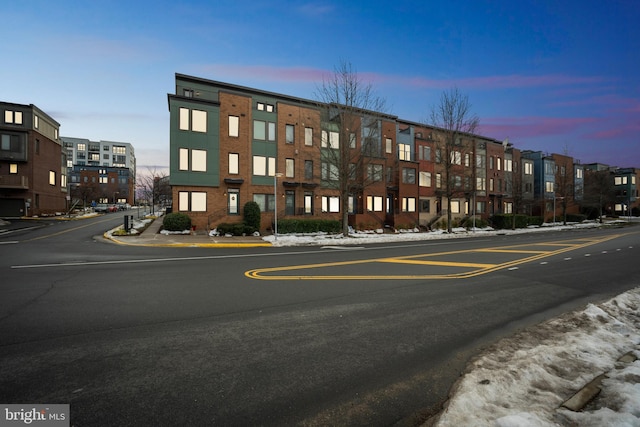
point(33, 165)
point(231, 144)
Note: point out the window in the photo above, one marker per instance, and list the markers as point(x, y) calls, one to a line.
point(457, 181)
point(234, 163)
point(260, 106)
point(265, 201)
point(104, 180)
point(188, 93)
point(14, 117)
point(13, 168)
point(425, 179)
point(424, 152)
point(36, 121)
point(329, 172)
point(404, 152)
point(330, 204)
point(508, 165)
point(264, 166)
point(199, 160)
point(264, 131)
point(289, 134)
point(425, 205)
point(184, 119)
point(481, 184)
point(438, 180)
point(308, 136)
point(81, 147)
point(233, 202)
point(374, 203)
point(548, 186)
point(579, 174)
point(184, 159)
point(490, 184)
point(467, 160)
point(498, 163)
point(480, 161)
point(438, 155)
point(408, 175)
point(389, 147)
point(199, 121)
point(119, 149)
point(374, 172)
point(528, 168)
point(308, 203)
point(52, 178)
point(408, 204)
point(330, 140)
point(455, 206)
point(289, 168)
point(308, 169)
point(352, 140)
point(456, 158)
point(234, 126)
point(508, 207)
point(269, 108)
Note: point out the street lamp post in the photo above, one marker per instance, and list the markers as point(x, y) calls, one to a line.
point(275, 204)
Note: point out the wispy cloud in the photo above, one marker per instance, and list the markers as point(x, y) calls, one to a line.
point(530, 127)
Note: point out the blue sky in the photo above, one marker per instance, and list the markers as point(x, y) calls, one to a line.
point(557, 76)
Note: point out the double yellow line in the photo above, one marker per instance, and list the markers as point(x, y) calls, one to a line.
point(476, 268)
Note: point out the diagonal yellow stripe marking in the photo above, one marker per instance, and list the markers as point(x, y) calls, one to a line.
point(439, 263)
point(512, 251)
point(482, 268)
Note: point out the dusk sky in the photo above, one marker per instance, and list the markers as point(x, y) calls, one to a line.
point(557, 76)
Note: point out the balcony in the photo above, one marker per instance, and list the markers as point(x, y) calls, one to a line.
point(20, 182)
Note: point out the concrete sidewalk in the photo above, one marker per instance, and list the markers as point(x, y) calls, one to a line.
point(151, 236)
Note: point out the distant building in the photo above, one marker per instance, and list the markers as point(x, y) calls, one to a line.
point(100, 171)
point(33, 164)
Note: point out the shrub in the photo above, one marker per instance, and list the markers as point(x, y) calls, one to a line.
point(236, 229)
point(308, 226)
point(252, 215)
point(576, 217)
point(468, 222)
point(176, 222)
point(502, 221)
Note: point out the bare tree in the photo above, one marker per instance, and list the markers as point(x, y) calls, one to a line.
point(350, 134)
point(599, 191)
point(454, 120)
point(153, 187)
point(564, 181)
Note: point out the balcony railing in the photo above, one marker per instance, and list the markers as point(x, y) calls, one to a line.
point(14, 181)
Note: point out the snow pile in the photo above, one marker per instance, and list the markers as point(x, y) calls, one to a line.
point(523, 380)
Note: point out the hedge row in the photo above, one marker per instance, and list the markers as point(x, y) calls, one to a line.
point(501, 221)
point(308, 226)
point(176, 222)
point(237, 229)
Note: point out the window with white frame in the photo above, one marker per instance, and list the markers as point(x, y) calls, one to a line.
point(234, 126)
point(408, 204)
point(330, 139)
point(374, 203)
point(308, 136)
point(404, 152)
point(289, 168)
point(234, 163)
point(330, 204)
point(389, 146)
point(198, 201)
point(425, 179)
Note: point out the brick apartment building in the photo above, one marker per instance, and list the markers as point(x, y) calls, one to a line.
point(33, 166)
point(231, 144)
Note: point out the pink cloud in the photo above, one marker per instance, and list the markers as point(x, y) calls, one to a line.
point(528, 127)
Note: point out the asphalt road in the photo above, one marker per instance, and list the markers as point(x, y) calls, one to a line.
point(276, 336)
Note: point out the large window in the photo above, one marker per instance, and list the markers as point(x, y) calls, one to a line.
point(404, 151)
point(528, 168)
point(264, 131)
point(290, 134)
point(330, 204)
point(329, 171)
point(14, 117)
point(192, 201)
point(330, 140)
point(374, 203)
point(408, 204)
point(456, 158)
point(264, 166)
point(265, 201)
point(481, 184)
point(408, 175)
point(198, 160)
point(548, 186)
point(195, 120)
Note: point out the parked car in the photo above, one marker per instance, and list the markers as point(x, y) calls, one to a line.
point(101, 207)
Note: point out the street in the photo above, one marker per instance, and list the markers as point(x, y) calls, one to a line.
point(374, 335)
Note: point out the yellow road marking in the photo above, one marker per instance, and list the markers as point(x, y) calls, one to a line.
point(479, 268)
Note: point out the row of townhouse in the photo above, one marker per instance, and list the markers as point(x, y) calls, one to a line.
point(231, 144)
point(33, 165)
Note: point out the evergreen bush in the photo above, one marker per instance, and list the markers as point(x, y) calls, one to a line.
point(176, 221)
point(251, 215)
